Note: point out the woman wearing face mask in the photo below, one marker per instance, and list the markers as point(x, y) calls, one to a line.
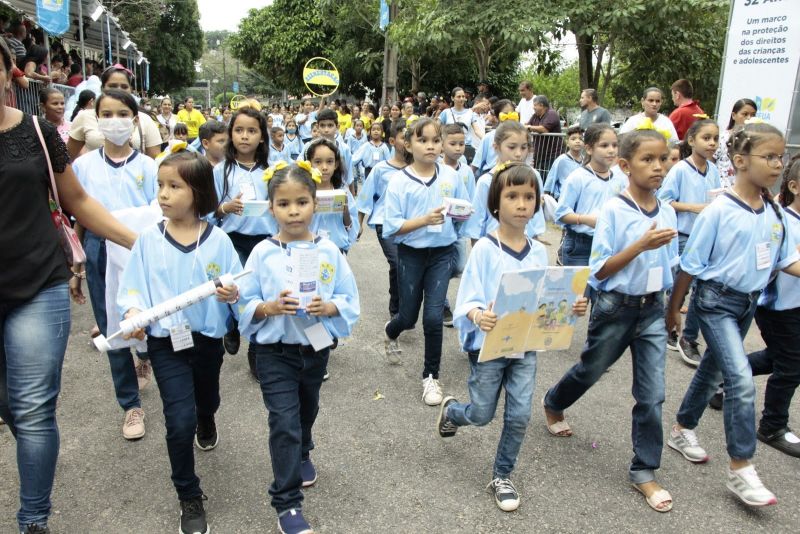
point(85, 130)
point(119, 177)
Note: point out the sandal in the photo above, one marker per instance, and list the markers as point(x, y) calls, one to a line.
point(657, 499)
point(560, 429)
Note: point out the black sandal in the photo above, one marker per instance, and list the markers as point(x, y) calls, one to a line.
point(778, 441)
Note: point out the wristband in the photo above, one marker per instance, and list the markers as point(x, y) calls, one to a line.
point(476, 318)
point(222, 209)
point(80, 276)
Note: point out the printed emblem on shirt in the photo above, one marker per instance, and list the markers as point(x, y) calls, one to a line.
point(326, 272)
point(213, 270)
point(777, 232)
point(140, 182)
point(446, 189)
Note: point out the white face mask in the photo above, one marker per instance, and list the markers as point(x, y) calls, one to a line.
point(118, 130)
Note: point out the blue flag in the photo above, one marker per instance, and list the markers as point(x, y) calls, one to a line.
point(384, 19)
point(53, 15)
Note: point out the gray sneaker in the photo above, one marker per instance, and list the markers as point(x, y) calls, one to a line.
point(505, 494)
point(745, 484)
point(392, 347)
point(685, 442)
point(672, 341)
point(446, 427)
point(689, 352)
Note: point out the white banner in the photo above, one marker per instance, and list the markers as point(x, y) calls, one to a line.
point(762, 58)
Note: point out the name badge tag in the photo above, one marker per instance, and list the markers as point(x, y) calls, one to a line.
point(324, 233)
point(181, 337)
point(376, 156)
point(763, 257)
point(247, 189)
point(655, 279)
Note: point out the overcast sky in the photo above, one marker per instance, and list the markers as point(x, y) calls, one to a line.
point(226, 14)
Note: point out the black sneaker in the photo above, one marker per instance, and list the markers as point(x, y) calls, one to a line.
point(34, 528)
point(672, 341)
point(689, 352)
point(206, 437)
point(308, 473)
point(505, 494)
point(445, 426)
point(231, 341)
point(784, 440)
point(193, 516)
point(326, 376)
point(717, 400)
point(293, 522)
point(447, 318)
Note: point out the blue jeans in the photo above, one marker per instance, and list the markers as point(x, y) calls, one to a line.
point(123, 370)
point(691, 328)
point(617, 322)
point(389, 249)
point(725, 316)
point(780, 360)
point(423, 271)
point(575, 248)
point(518, 377)
point(290, 378)
point(188, 382)
point(33, 339)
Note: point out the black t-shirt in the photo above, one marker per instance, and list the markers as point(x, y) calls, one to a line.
point(32, 258)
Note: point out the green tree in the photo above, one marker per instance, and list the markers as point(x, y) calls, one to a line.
point(168, 33)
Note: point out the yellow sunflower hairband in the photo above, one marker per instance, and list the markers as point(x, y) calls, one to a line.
point(510, 116)
point(648, 124)
point(316, 175)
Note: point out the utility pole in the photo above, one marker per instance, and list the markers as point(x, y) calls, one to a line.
point(389, 93)
point(224, 77)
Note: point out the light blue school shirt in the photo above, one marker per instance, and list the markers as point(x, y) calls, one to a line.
point(409, 197)
point(129, 184)
point(685, 183)
point(304, 130)
point(160, 268)
point(295, 146)
point(276, 155)
point(562, 167)
point(722, 245)
point(336, 284)
point(369, 155)
point(784, 292)
point(466, 117)
point(482, 222)
point(620, 224)
point(331, 225)
point(480, 280)
point(353, 142)
point(237, 175)
point(372, 195)
point(485, 156)
point(585, 193)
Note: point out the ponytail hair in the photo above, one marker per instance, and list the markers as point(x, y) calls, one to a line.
point(791, 173)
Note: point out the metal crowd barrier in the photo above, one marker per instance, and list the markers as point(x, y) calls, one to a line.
point(28, 99)
point(545, 148)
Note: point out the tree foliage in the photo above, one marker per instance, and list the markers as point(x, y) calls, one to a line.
point(168, 33)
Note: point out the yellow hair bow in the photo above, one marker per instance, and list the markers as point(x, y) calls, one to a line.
point(500, 167)
point(173, 148)
point(316, 175)
point(269, 173)
point(754, 120)
point(648, 124)
point(700, 116)
point(510, 116)
point(411, 120)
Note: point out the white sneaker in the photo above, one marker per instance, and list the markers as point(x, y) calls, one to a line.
point(143, 373)
point(392, 348)
point(431, 391)
point(745, 484)
point(133, 427)
point(685, 442)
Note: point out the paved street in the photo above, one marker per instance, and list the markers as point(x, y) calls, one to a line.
point(381, 467)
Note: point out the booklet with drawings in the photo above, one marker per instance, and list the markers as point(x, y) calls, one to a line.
point(534, 311)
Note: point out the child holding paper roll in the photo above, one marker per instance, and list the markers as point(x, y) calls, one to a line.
point(185, 348)
point(513, 198)
point(292, 345)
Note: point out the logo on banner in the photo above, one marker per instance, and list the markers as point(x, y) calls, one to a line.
point(766, 107)
point(53, 15)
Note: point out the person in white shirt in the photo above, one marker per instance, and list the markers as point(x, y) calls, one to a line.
point(525, 106)
point(651, 104)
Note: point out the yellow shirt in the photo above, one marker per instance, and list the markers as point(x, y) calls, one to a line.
point(192, 120)
point(345, 122)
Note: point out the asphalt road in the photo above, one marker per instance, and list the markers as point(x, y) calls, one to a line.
point(381, 466)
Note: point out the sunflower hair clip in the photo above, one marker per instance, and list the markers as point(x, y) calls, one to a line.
point(316, 175)
point(701, 116)
point(754, 120)
point(648, 124)
point(270, 172)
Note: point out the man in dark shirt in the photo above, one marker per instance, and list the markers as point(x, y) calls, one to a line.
point(545, 148)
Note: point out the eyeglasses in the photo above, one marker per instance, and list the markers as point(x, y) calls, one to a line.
point(773, 160)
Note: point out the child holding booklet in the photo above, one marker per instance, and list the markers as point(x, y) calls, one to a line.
point(633, 251)
point(514, 197)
